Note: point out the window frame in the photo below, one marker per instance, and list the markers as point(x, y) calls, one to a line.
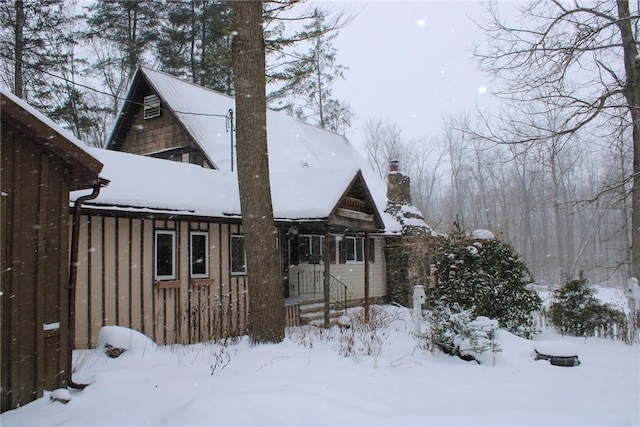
point(231, 251)
point(306, 259)
point(206, 274)
point(174, 255)
point(353, 242)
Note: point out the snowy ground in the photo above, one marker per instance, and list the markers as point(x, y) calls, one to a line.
point(306, 381)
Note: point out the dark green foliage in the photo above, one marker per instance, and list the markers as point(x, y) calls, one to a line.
point(576, 310)
point(488, 277)
point(455, 331)
point(308, 77)
point(195, 42)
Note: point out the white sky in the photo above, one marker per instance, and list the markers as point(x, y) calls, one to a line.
point(411, 63)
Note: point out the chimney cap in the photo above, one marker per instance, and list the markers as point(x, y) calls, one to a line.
point(394, 165)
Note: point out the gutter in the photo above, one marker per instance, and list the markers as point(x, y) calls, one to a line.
point(73, 274)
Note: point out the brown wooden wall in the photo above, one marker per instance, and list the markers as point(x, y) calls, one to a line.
point(116, 283)
point(35, 263)
point(153, 135)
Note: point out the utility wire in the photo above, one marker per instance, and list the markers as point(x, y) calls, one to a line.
point(33, 67)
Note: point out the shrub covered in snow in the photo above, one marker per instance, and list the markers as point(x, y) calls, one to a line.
point(576, 310)
point(455, 331)
point(487, 277)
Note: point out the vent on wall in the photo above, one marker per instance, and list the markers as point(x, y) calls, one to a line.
point(151, 107)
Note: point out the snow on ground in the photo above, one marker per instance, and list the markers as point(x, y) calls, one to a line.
point(306, 381)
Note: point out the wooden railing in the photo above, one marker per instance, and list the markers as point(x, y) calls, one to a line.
point(353, 204)
point(312, 283)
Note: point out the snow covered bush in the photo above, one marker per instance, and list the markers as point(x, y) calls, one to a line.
point(575, 310)
point(455, 331)
point(486, 276)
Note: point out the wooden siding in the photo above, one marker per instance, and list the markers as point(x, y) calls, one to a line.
point(351, 274)
point(35, 268)
point(154, 135)
point(116, 283)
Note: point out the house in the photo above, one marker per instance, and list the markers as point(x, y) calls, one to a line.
point(41, 163)
point(161, 248)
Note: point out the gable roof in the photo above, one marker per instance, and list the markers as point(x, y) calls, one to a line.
point(304, 161)
point(53, 138)
point(147, 184)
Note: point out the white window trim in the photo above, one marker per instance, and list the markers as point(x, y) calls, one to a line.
point(174, 250)
point(244, 253)
point(204, 275)
point(355, 248)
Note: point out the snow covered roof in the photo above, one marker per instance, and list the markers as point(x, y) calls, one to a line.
point(52, 137)
point(310, 167)
point(147, 184)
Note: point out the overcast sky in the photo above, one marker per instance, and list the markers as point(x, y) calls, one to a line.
point(410, 63)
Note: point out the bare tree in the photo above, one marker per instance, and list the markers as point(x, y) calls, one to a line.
point(266, 304)
point(583, 58)
point(383, 142)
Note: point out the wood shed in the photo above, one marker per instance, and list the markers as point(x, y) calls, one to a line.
point(41, 163)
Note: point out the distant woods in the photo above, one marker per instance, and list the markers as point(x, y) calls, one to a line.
point(74, 61)
point(556, 171)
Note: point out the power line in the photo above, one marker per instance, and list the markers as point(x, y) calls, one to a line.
point(74, 83)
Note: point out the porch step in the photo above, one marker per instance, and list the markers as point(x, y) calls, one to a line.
point(312, 312)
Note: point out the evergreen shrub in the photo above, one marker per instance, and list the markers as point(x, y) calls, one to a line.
point(487, 277)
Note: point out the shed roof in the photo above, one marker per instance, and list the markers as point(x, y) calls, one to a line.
point(53, 138)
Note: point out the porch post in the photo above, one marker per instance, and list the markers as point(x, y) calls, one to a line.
point(326, 256)
point(366, 277)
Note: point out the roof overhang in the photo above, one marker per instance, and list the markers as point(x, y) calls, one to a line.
point(85, 168)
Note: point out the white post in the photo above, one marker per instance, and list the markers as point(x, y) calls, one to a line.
point(419, 298)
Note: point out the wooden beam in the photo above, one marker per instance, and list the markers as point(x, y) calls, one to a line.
point(326, 255)
point(366, 277)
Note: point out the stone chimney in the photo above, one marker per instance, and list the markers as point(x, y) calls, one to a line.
point(398, 185)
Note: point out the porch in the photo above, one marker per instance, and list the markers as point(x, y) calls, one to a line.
point(307, 306)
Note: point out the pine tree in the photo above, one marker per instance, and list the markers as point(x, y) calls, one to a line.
point(120, 34)
point(195, 43)
point(575, 309)
point(308, 77)
point(487, 276)
point(29, 32)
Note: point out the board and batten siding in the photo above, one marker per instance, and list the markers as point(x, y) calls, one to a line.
point(116, 285)
point(35, 270)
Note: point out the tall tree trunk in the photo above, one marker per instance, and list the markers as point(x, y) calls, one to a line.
point(19, 46)
point(632, 94)
point(266, 304)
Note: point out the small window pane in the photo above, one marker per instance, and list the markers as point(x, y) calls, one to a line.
point(351, 249)
point(305, 249)
point(238, 260)
point(359, 249)
point(199, 255)
point(165, 255)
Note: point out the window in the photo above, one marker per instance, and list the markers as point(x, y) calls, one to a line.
point(165, 262)
point(311, 248)
point(199, 254)
point(354, 249)
point(238, 257)
point(151, 107)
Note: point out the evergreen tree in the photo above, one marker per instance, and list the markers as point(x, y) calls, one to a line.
point(488, 277)
point(30, 31)
point(120, 34)
point(575, 309)
point(195, 42)
point(308, 77)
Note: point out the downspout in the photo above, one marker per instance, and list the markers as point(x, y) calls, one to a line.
point(73, 273)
